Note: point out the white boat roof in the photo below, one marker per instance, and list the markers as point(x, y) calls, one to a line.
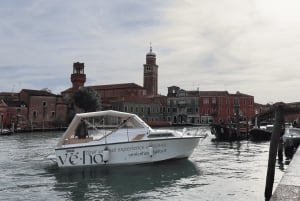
point(78, 117)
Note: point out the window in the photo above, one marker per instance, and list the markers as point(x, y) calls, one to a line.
point(34, 114)
point(214, 100)
point(236, 101)
point(44, 103)
point(52, 114)
point(205, 101)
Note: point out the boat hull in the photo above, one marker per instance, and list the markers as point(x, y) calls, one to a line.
point(257, 134)
point(126, 153)
point(225, 132)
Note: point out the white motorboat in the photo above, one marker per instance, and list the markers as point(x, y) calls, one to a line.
point(118, 138)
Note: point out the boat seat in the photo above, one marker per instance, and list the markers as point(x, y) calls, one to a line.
point(78, 141)
point(138, 137)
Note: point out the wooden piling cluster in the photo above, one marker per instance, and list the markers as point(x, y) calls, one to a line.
point(279, 110)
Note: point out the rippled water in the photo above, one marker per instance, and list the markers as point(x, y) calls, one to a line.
point(216, 171)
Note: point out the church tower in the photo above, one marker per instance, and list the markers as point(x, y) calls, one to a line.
point(150, 73)
point(78, 77)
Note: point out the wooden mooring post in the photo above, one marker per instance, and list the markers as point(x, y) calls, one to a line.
point(277, 130)
point(279, 110)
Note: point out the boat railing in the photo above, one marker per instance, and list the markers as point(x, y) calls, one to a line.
point(198, 132)
point(78, 140)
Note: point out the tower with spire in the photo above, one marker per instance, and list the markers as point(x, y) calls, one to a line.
point(151, 73)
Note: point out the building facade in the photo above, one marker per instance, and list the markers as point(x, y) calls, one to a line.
point(221, 106)
point(183, 106)
point(127, 97)
point(45, 110)
point(32, 109)
point(205, 107)
point(178, 107)
point(42, 109)
point(151, 110)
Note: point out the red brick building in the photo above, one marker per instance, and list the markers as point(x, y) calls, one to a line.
point(45, 110)
point(204, 107)
point(193, 107)
point(220, 106)
point(32, 109)
point(127, 97)
point(115, 92)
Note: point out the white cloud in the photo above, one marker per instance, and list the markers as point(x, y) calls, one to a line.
point(250, 46)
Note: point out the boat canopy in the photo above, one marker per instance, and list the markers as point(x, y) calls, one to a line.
point(103, 119)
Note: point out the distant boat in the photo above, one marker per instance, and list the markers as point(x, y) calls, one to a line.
point(228, 132)
point(262, 133)
point(117, 138)
point(5, 131)
point(259, 134)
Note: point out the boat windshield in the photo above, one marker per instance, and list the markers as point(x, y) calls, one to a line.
point(111, 122)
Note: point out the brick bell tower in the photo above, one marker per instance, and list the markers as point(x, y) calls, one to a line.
point(150, 73)
point(78, 77)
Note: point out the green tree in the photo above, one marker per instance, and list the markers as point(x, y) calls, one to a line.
point(87, 99)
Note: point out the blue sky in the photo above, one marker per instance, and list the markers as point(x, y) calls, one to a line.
point(250, 46)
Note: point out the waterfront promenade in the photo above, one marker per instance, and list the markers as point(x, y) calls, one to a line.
point(289, 185)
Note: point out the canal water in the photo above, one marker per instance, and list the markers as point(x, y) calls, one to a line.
point(216, 171)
